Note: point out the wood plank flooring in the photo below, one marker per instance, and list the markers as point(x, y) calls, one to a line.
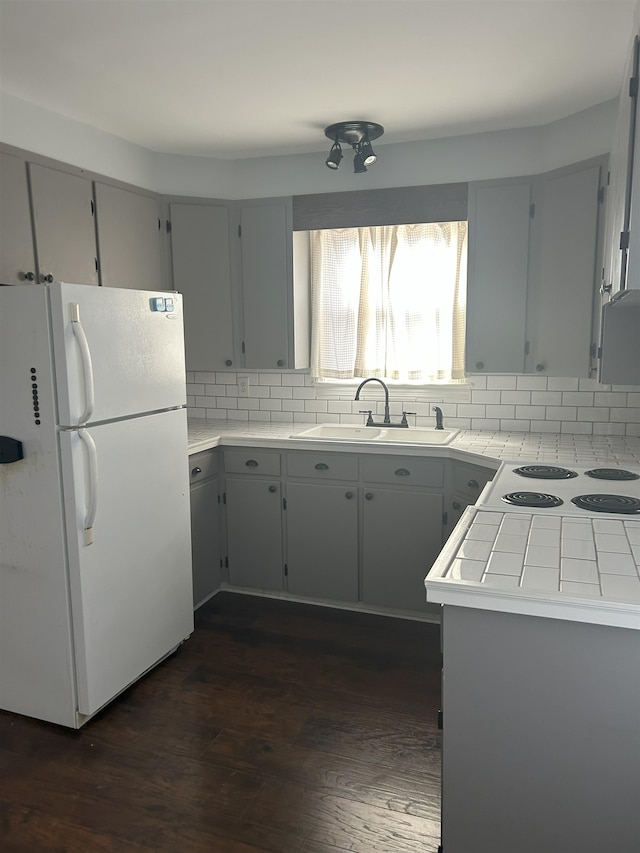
point(276, 728)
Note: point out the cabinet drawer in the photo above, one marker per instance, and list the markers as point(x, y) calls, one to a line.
point(470, 479)
point(252, 462)
point(326, 466)
point(203, 465)
point(404, 470)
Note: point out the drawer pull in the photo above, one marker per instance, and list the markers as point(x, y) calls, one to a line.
point(251, 463)
point(348, 495)
point(273, 489)
point(195, 471)
point(473, 484)
point(369, 496)
point(402, 472)
point(321, 466)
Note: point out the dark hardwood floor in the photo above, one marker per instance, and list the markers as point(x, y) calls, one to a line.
point(276, 728)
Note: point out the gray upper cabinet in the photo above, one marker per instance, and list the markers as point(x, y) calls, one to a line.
point(202, 273)
point(535, 250)
point(499, 224)
point(564, 287)
point(129, 238)
point(63, 219)
point(275, 301)
point(17, 258)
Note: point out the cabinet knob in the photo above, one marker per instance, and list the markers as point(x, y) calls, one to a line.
point(26, 276)
point(280, 362)
point(251, 463)
point(540, 367)
point(369, 496)
point(402, 472)
point(228, 362)
point(273, 489)
point(48, 278)
point(195, 471)
point(479, 365)
point(348, 495)
point(473, 484)
point(321, 466)
point(456, 504)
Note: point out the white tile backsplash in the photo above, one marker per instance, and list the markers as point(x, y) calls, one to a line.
point(500, 403)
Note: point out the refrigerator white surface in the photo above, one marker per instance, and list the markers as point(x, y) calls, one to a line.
point(84, 613)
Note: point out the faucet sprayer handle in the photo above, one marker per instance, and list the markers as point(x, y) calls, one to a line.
point(368, 413)
point(404, 417)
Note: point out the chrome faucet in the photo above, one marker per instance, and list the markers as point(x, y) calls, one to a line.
point(387, 419)
point(438, 412)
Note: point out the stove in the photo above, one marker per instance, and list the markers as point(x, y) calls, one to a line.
point(575, 490)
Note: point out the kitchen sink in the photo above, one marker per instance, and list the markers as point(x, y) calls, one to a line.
point(393, 435)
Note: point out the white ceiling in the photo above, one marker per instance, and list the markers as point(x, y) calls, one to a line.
point(251, 78)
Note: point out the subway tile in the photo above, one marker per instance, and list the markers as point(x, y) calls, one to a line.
point(633, 399)
point(500, 411)
point(339, 407)
point(282, 417)
point(608, 429)
point(204, 376)
point(260, 416)
point(576, 428)
point(531, 383)
point(269, 405)
point(529, 412)
point(293, 405)
point(248, 403)
point(610, 398)
point(593, 413)
point(478, 382)
point(626, 415)
point(520, 398)
point(546, 398)
point(486, 424)
point(486, 396)
point(632, 429)
point(561, 413)
point(293, 379)
point(590, 385)
point(216, 413)
point(507, 425)
point(562, 383)
point(304, 418)
point(304, 393)
point(545, 426)
point(577, 398)
point(502, 382)
point(238, 415)
point(315, 406)
point(469, 410)
point(229, 378)
point(194, 388)
point(227, 402)
point(281, 392)
point(270, 379)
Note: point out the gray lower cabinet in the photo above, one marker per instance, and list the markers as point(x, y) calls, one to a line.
point(465, 486)
point(541, 736)
point(205, 525)
point(129, 238)
point(402, 536)
point(322, 540)
point(253, 503)
point(17, 257)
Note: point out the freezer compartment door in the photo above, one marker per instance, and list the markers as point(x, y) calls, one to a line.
point(118, 352)
point(126, 494)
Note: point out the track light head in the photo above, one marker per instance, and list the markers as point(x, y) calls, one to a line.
point(335, 156)
point(368, 154)
point(358, 162)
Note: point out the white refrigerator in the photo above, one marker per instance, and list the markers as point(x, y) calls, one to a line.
point(95, 551)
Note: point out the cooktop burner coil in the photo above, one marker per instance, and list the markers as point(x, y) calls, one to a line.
point(608, 503)
point(539, 500)
point(545, 472)
point(612, 474)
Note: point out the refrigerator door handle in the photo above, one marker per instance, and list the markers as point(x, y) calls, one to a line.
point(87, 366)
point(92, 503)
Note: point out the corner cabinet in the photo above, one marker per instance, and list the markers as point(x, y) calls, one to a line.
point(535, 252)
point(275, 296)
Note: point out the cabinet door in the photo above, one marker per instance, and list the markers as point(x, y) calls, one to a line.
point(565, 281)
point(321, 565)
point(64, 226)
point(201, 272)
point(129, 241)
point(254, 533)
point(402, 536)
point(266, 278)
point(17, 260)
point(205, 539)
point(499, 220)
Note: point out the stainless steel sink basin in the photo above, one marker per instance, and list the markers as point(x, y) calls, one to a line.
point(393, 435)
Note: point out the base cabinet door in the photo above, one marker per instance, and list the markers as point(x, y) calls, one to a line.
point(402, 536)
point(205, 527)
point(322, 540)
point(254, 533)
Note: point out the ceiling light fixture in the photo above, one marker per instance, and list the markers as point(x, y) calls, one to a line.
point(357, 134)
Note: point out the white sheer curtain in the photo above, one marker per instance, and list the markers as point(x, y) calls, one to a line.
point(389, 301)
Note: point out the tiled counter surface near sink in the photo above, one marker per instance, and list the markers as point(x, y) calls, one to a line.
point(617, 603)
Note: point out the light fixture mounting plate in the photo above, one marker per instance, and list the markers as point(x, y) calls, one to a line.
point(353, 132)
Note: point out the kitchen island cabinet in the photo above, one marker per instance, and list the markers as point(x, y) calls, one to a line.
point(541, 734)
point(205, 525)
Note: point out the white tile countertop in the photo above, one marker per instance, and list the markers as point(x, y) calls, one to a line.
point(576, 569)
